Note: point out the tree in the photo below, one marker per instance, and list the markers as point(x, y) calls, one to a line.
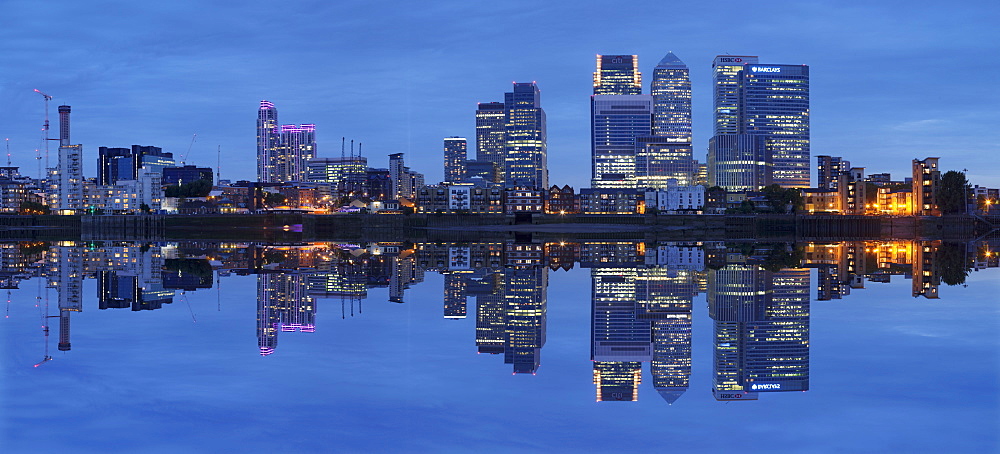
point(197, 188)
point(33, 208)
point(953, 192)
point(145, 208)
point(781, 198)
point(274, 199)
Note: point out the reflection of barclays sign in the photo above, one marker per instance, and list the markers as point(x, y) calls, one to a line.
point(764, 386)
point(765, 69)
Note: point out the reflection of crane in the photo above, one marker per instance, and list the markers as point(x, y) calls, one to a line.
point(45, 324)
point(45, 128)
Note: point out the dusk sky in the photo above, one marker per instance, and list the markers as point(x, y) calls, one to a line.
point(890, 81)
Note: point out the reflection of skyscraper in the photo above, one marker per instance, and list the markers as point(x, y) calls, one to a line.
point(525, 300)
point(761, 330)
point(664, 296)
point(282, 305)
point(618, 333)
point(455, 299)
point(617, 380)
point(491, 319)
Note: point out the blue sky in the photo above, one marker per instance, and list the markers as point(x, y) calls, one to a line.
point(891, 81)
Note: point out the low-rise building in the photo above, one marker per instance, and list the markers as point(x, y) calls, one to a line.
point(612, 201)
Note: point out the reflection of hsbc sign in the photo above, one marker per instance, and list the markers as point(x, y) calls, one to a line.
point(765, 386)
point(731, 396)
point(765, 69)
point(730, 60)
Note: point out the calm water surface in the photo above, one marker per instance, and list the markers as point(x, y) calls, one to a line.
point(572, 347)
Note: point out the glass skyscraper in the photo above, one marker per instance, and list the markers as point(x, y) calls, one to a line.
point(525, 149)
point(769, 101)
point(774, 102)
point(616, 121)
point(617, 75)
point(671, 90)
point(725, 69)
point(490, 129)
point(455, 155)
point(267, 141)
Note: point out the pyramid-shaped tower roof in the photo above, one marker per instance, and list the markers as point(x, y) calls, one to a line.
point(670, 60)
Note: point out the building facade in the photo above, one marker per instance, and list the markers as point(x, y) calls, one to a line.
point(525, 143)
point(616, 121)
point(455, 156)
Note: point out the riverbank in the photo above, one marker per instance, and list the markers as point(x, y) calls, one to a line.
point(294, 227)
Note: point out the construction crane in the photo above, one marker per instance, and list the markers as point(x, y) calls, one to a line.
point(45, 128)
point(189, 149)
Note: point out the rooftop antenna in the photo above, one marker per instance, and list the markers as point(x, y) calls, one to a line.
point(342, 139)
point(8, 152)
point(359, 149)
point(218, 164)
point(352, 147)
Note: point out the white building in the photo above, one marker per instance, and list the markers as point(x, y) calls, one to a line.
point(676, 198)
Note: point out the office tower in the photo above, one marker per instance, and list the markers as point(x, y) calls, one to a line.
point(828, 170)
point(490, 131)
point(297, 145)
point(482, 169)
point(659, 159)
point(739, 162)
point(267, 142)
point(926, 177)
point(186, 174)
point(671, 90)
point(725, 96)
point(774, 102)
point(111, 162)
point(525, 154)
point(68, 177)
point(616, 121)
point(454, 159)
point(405, 182)
point(617, 75)
point(346, 176)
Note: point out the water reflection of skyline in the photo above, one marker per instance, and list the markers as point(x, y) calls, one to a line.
point(641, 304)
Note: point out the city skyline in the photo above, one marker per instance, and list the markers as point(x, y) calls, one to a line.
point(175, 87)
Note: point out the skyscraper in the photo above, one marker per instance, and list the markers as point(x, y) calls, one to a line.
point(725, 69)
point(774, 102)
point(671, 90)
point(454, 159)
point(267, 141)
point(282, 153)
point(616, 121)
point(617, 75)
point(490, 130)
point(769, 101)
point(525, 149)
point(297, 145)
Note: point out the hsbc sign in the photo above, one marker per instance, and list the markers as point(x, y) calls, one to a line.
point(730, 60)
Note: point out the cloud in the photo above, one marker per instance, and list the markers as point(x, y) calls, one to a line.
point(921, 125)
